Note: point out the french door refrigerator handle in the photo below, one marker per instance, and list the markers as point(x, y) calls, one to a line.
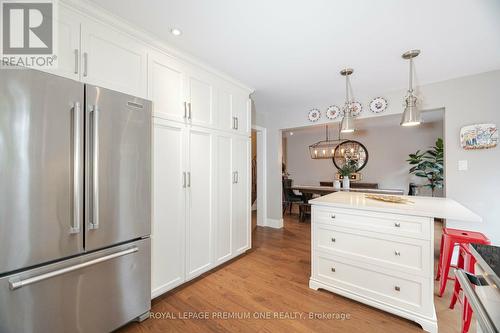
point(94, 224)
point(13, 285)
point(77, 169)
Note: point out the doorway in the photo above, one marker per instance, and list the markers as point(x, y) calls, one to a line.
point(258, 188)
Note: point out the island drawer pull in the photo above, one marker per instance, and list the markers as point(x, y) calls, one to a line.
point(333, 239)
point(397, 253)
point(397, 225)
point(397, 288)
point(332, 216)
point(333, 269)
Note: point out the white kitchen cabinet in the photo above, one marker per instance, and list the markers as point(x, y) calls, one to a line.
point(241, 195)
point(113, 60)
point(224, 199)
point(68, 49)
point(199, 182)
point(166, 87)
point(201, 97)
point(233, 109)
point(241, 112)
point(169, 206)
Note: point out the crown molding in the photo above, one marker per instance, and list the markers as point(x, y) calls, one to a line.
point(94, 12)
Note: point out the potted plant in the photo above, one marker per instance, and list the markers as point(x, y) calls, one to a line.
point(429, 165)
point(346, 171)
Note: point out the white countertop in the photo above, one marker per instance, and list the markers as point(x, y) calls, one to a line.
point(420, 206)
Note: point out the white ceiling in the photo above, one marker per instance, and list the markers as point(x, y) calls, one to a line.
point(291, 51)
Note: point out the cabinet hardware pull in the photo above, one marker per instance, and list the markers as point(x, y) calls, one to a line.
point(234, 123)
point(332, 216)
point(397, 253)
point(184, 180)
point(189, 179)
point(397, 224)
point(397, 288)
point(237, 123)
point(189, 111)
point(333, 269)
point(185, 110)
point(85, 63)
point(333, 240)
point(76, 61)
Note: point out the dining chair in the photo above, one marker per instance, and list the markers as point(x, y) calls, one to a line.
point(289, 197)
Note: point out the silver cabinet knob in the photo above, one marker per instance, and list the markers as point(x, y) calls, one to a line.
point(333, 240)
point(332, 216)
point(397, 288)
point(333, 269)
point(397, 253)
point(397, 225)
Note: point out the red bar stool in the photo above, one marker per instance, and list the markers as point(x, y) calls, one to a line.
point(466, 261)
point(451, 238)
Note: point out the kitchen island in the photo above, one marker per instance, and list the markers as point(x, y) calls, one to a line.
point(380, 253)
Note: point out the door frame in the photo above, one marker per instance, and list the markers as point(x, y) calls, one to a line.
point(261, 175)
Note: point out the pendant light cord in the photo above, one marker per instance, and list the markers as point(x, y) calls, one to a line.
point(410, 86)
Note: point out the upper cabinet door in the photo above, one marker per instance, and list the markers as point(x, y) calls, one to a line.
point(166, 87)
point(225, 119)
point(241, 112)
point(201, 92)
point(113, 60)
point(68, 49)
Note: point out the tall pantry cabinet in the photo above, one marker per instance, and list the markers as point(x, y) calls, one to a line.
point(201, 176)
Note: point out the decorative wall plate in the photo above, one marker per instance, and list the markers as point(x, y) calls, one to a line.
point(357, 107)
point(378, 104)
point(314, 115)
point(333, 112)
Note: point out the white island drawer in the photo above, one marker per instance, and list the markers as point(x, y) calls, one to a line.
point(402, 225)
point(398, 253)
point(345, 276)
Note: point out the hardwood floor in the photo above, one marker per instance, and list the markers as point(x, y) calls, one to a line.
point(272, 278)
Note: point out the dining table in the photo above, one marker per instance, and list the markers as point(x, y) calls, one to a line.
point(308, 191)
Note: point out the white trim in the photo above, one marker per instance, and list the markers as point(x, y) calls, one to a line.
point(95, 12)
point(262, 175)
point(274, 223)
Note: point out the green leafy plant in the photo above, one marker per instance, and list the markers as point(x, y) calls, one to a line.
point(429, 165)
point(347, 169)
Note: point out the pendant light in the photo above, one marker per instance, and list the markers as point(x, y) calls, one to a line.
point(324, 149)
point(411, 114)
point(347, 125)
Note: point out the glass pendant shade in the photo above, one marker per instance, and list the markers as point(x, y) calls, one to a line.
point(347, 125)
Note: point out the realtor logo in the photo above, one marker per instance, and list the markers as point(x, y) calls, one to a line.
point(28, 33)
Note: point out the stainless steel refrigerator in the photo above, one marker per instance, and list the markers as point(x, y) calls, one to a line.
point(75, 205)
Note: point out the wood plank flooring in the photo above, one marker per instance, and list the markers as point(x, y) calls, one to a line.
point(272, 278)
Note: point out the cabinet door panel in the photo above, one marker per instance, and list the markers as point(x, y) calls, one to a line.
point(201, 91)
point(223, 227)
point(225, 110)
point(113, 60)
point(166, 87)
point(68, 48)
point(199, 228)
point(241, 199)
point(168, 231)
point(241, 110)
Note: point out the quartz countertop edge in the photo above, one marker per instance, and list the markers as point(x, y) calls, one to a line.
point(444, 208)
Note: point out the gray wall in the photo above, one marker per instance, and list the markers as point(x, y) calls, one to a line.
point(388, 148)
point(466, 100)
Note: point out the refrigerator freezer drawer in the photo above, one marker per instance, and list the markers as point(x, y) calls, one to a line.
point(96, 292)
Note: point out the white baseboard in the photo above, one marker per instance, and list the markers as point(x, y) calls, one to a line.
point(274, 223)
